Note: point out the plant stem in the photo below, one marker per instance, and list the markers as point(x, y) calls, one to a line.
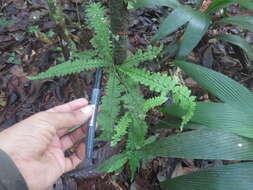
point(119, 26)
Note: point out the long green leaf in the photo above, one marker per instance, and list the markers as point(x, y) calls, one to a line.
point(195, 31)
point(197, 27)
point(174, 21)
point(245, 22)
point(173, 122)
point(226, 89)
point(236, 40)
point(144, 3)
point(218, 115)
point(210, 144)
point(231, 177)
point(218, 4)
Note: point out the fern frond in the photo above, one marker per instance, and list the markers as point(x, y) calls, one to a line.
point(154, 102)
point(102, 41)
point(140, 56)
point(136, 134)
point(70, 67)
point(163, 84)
point(133, 98)
point(121, 129)
point(110, 107)
point(155, 81)
point(182, 97)
point(133, 101)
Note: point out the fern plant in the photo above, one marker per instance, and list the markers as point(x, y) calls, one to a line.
point(124, 109)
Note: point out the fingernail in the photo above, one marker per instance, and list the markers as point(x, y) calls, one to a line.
point(88, 110)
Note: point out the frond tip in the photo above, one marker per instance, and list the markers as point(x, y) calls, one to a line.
point(102, 41)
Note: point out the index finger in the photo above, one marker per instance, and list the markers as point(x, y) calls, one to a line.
point(70, 106)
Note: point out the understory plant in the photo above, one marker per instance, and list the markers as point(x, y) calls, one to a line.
point(219, 131)
point(124, 109)
point(198, 22)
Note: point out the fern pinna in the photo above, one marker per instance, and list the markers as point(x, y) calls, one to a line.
point(123, 109)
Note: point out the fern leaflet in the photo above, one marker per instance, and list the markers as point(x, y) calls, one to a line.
point(140, 56)
point(110, 107)
point(121, 129)
point(154, 102)
point(70, 67)
point(181, 96)
point(133, 101)
point(155, 81)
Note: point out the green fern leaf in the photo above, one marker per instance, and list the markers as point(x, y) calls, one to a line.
point(134, 160)
point(155, 81)
point(102, 41)
point(136, 134)
point(140, 56)
point(121, 129)
point(69, 67)
point(163, 84)
point(182, 97)
point(110, 107)
point(153, 102)
point(133, 101)
point(114, 163)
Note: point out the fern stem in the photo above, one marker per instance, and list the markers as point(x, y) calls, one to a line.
point(119, 26)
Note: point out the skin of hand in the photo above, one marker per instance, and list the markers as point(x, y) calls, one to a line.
point(37, 144)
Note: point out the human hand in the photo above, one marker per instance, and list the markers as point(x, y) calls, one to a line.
point(37, 144)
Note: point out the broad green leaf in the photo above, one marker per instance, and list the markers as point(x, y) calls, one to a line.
point(218, 4)
point(210, 144)
point(173, 122)
point(144, 3)
point(230, 177)
point(173, 22)
point(226, 89)
point(197, 27)
point(218, 115)
point(114, 163)
point(236, 40)
point(195, 31)
point(245, 22)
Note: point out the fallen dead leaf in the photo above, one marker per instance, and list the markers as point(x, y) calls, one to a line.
point(180, 170)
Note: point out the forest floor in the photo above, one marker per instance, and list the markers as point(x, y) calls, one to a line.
point(29, 45)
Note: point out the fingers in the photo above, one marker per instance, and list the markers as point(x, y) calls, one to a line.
point(74, 160)
point(69, 140)
point(71, 106)
point(65, 120)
